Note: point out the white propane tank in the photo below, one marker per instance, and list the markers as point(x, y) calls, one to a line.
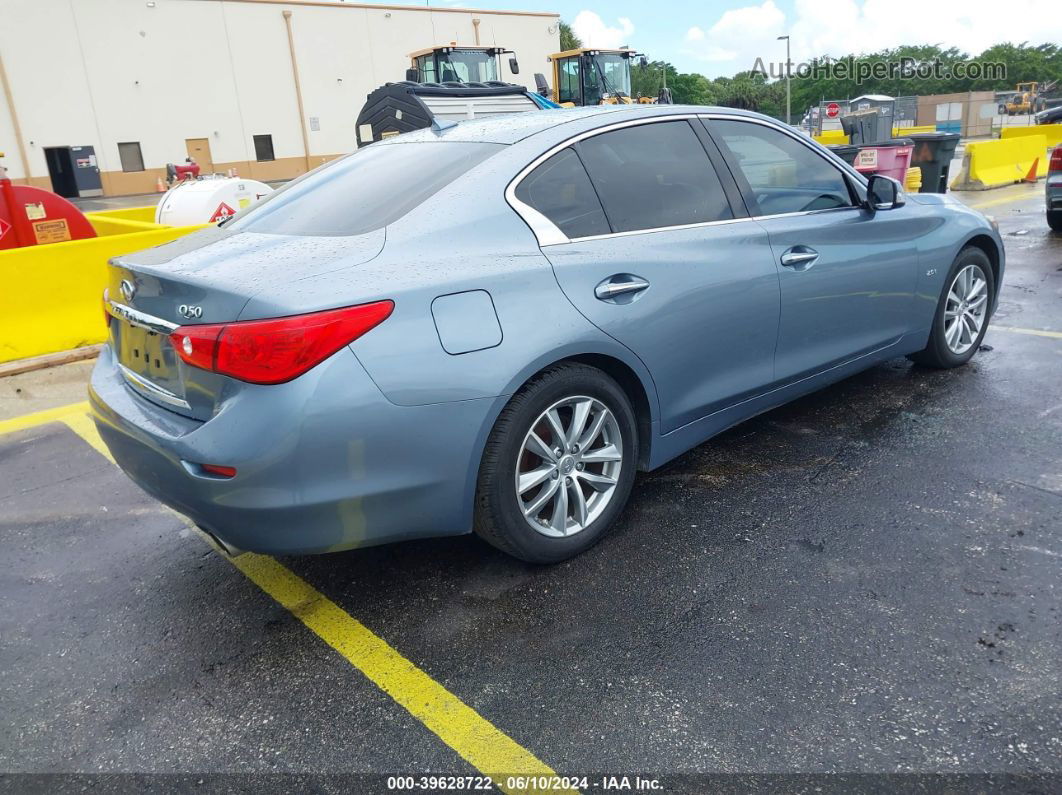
point(208, 200)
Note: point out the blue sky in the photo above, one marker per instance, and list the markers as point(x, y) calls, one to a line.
point(717, 38)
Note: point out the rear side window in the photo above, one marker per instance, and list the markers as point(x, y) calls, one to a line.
point(364, 191)
point(654, 175)
point(784, 175)
point(560, 189)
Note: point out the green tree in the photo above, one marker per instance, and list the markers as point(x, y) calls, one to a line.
point(568, 39)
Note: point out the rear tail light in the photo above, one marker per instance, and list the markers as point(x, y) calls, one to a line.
point(1056, 159)
point(278, 349)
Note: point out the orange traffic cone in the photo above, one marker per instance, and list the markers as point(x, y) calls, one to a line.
point(159, 187)
point(1031, 176)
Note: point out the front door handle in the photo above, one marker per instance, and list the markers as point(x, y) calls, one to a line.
point(799, 258)
point(620, 285)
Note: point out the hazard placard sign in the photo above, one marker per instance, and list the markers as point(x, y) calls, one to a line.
point(223, 211)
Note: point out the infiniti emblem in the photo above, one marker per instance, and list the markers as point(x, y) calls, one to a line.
point(128, 289)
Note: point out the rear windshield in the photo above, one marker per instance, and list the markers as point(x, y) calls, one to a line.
point(364, 191)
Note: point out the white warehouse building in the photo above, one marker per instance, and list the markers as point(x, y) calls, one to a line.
point(270, 88)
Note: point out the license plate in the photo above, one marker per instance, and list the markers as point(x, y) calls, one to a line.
point(142, 352)
point(149, 356)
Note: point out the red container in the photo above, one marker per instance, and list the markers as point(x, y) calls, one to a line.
point(889, 158)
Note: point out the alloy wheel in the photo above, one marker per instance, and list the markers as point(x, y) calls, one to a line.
point(568, 466)
point(965, 309)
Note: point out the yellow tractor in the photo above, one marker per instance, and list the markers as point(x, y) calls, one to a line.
point(1028, 98)
point(454, 64)
point(591, 76)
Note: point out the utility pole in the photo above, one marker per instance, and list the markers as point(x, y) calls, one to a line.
point(788, 93)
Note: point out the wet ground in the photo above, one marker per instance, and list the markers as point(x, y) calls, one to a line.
point(864, 581)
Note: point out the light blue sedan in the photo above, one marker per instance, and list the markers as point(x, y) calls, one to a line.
point(492, 327)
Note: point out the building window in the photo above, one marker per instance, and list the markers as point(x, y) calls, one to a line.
point(263, 148)
point(132, 159)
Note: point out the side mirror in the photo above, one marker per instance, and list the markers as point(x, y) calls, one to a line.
point(884, 193)
point(412, 75)
point(514, 66)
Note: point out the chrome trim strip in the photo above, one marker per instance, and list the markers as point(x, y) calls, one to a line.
point(151, 390)
point(141, 319)
point(658, 229)
point(548, 234)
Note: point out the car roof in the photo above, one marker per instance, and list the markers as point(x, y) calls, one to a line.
point(513, 127)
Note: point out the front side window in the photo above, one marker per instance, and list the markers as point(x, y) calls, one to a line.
point(560, 189)
point(784, 175)
point(363, 191)
point(654, 175)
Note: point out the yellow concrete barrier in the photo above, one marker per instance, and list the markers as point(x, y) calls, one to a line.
point(1051, 132)
point(51, 298)
point(900, 132)
point(831, 137)
point(145, 214)
point(106, 224)
point(992, 164)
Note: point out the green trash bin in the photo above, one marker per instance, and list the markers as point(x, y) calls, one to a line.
point(847, 152)
point(933, 152)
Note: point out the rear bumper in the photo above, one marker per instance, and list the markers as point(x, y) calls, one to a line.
point(1054, 194)
point(324, 462)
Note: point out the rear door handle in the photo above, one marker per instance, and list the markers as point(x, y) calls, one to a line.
point(620, 284)
point(799, 258)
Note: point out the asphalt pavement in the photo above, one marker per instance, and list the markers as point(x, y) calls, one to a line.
point(865, 581)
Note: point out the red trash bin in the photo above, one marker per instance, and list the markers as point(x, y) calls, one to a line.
point(890, 158)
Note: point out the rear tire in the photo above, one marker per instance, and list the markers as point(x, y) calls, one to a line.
point(1054, 220)
point(568, 438)
point(962, 315)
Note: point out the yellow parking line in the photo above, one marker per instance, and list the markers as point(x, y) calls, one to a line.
point(478, 741)
point(1006, 200)
point(42, 417)
point(1055, 335)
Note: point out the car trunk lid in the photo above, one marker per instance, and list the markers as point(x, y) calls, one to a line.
point(207, 277)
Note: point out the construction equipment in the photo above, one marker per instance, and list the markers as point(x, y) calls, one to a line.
point(590, 76)
point(401, 107)
point(453, 64)
point(445, 84)
point(1028, 98)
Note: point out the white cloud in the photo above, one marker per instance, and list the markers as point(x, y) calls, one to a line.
point(734, 40)
point(695, 34)
point(593, 32)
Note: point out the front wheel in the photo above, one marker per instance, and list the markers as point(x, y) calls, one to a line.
point(558, 466)
point(962, 313)
point(1054, 220)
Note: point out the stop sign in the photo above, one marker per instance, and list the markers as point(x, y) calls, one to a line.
point(832, 110)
